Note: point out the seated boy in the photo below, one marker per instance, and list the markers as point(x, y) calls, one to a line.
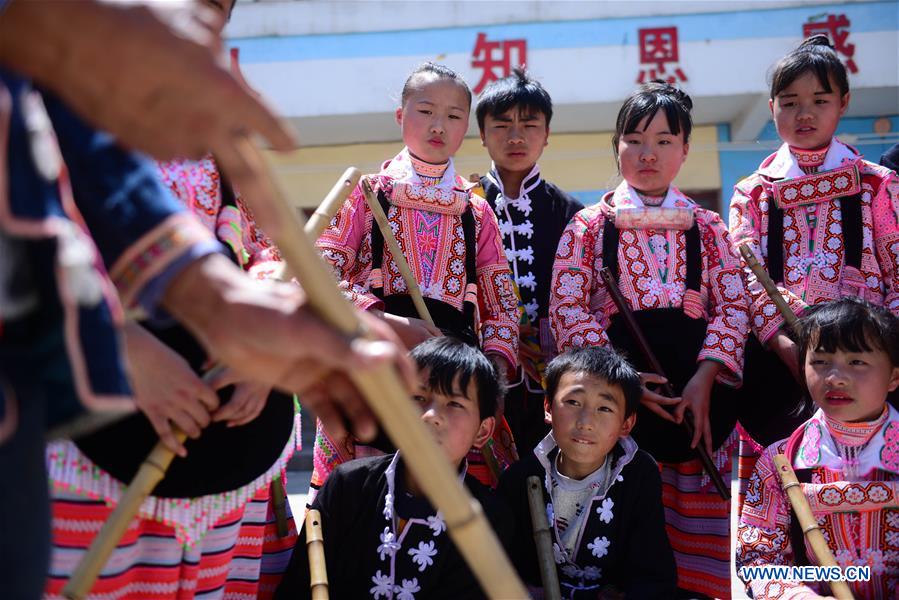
point(603, 494)
point(382, 537)
point(514, 115)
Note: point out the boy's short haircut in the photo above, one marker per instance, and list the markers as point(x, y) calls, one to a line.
point(446, 358)
point(517, 90)
point(849, 324)
point(600, 362)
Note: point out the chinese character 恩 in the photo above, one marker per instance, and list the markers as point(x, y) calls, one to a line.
point(495, 58)
point(658, 47)
point(836, 27)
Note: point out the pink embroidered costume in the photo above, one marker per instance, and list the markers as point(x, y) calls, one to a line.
point(678, 271)
point(426, 205)
point(825, 224)
point(849, 473)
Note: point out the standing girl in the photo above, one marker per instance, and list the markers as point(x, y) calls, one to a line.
point(679, 273)
point(823, 222)
point(449, 237)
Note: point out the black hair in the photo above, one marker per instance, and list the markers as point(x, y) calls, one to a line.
point(815, 55)
point(646, 101)
point(447, 358)
point(849, 324)
point(518, 90)
point(440, 72)
point(601, 362)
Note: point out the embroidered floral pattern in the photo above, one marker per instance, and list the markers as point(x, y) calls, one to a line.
point(605, 511)
point(599, 546)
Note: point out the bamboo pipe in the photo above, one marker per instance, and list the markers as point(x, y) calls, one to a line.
point(315, 548)
point(322, 216)
point(761, 274)
point(543, 539)
point(387, 397)
point(803, 513)
point(398, 257)
point(279, 505)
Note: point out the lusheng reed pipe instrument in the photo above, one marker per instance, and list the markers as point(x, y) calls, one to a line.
point(315, 548)
point(382, 387)
point(398, 257)
point(802, 512)
point(543, 539)
point(770, 287)
point(654, 365)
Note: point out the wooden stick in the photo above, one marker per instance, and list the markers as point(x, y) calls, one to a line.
point(761, 274)
point(655, 366)
point(398, 256)
point(543, 539)
point(279, 505)
point(387, 396)
point(315, 547)
point(803, 513)
point(322, 216)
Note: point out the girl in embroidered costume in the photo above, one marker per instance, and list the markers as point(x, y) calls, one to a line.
point(215, 504)
point(450, 239)
point(679, 272)
point(823, 222)
point(846, 457)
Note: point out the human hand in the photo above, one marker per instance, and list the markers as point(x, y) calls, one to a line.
point(787, 351)
point(410, 330)
point(655, 402)
point(158, 78)
point(166, 389)
point(265, 331)
point(247, 400)
point(697, 396)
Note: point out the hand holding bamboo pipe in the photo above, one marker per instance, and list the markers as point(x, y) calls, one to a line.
point(802, 512)
point(315, 548)
point(397, 253)
point(543, 539)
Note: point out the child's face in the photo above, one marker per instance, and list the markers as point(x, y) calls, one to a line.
point(587, 418)
point(651, 157)
point(515, 139)
point(434, 118)
point(850, 386)
point(454, 419)
point(805, 115)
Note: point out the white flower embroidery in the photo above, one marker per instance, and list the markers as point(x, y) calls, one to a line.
point(526, 229)
point(526, 254)
point(592, 573)
point(389, 545)
point(599, 546)
point(557, 554)
point(408, 590)
point(437, 524)
point(423, 555)
point(528, 281)
point(605, 511)
point(388, 506)
point(570, 284)
point(383, 585)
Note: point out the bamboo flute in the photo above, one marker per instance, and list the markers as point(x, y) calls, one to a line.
point(656, 367)
point(543, 539)
point(279, 505)
point(386, 395)
point(802, 511)
point(315, 548)
point(770, 287)
point(398, 257)
point(328, 208)
point(154, 467)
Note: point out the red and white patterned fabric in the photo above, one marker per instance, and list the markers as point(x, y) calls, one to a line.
point(858, 515)
point(198, 185)
point(653, 265)
point(814, 269)
point(425, 215)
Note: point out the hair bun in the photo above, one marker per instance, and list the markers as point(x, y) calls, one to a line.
point(815, 41)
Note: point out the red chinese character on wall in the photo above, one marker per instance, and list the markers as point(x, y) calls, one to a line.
point(497, 55)
point(836, 27)
point(658, 47)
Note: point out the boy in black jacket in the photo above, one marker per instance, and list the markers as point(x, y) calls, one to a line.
point(382, 537)
point(603, 494)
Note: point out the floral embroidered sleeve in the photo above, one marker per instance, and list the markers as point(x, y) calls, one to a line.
point(885, 208)
point(346, 246)
point(262, 256)
point(763, 535)
point(497, 301)
point(574, 285)
point(746, 224)
point(728, 314)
